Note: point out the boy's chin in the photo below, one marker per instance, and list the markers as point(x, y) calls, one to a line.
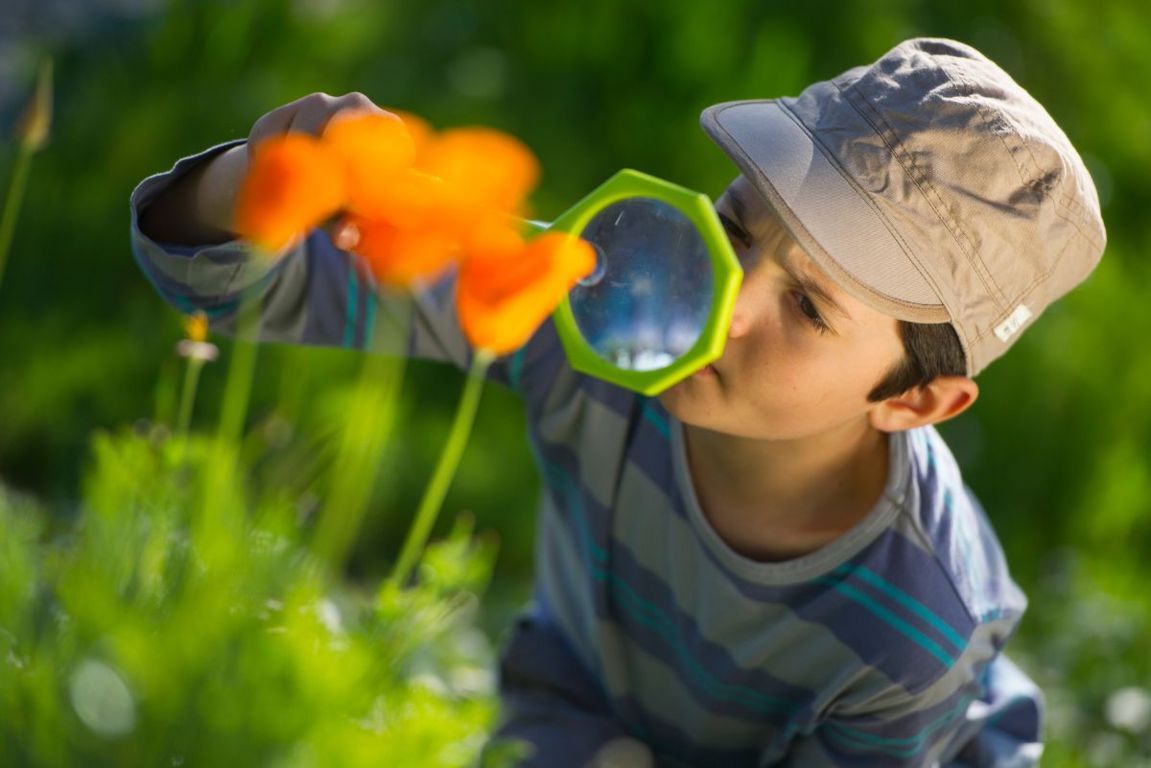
point(688, 406)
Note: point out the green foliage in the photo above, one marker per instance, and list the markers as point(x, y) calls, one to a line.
point(145, 635)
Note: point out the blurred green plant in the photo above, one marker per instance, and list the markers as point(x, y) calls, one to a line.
point(1089, 653)
point(141, 636)
point(31, 136)
point(188, 615)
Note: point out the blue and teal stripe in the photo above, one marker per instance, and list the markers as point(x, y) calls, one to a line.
point(648, 613)
point(899, 610)
point(903, 747)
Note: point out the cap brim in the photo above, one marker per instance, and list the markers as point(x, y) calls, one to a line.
point(825, 212)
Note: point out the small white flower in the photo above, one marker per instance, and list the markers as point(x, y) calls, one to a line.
point(205, 351)
point(1129, 709)
point(329, 616)
point(196, 346)
point(102, 699)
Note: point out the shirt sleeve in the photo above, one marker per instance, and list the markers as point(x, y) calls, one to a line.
point(1002, 728)
point(976, 716)
point(317, 294)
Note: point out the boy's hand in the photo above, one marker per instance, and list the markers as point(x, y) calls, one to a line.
point(309, 114)
point(197, 209)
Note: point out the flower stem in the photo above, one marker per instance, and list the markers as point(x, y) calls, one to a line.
point(366, 430)
point(12, 201)
point(188, 395)
point(237, 391)
point(241, 371)
point(442, 476)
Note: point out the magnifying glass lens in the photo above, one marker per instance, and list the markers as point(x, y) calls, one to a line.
point(651, 293)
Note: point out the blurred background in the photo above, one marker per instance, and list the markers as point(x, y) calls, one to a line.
point(1056, 448)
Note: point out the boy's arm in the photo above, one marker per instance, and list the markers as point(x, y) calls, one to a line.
point(197, 207)
point(962, 721)
point(313, 293)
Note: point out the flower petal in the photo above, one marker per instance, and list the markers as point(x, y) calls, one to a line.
point(419, 129)
point(411, 200)
point(196, 326)
point(493, 235)
point(403, 256)
point(374, 148)
point(500, 301)
point(484, 167)
point(293, 183)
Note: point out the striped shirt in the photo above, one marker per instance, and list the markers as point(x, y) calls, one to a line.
point(881, 648)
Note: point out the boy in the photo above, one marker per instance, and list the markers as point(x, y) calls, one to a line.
point(776, 561)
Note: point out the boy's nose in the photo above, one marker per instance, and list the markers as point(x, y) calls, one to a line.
point(741, 317)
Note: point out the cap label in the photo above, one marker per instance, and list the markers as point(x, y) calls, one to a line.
point(1013, 323)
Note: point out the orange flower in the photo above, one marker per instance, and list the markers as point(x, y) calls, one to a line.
point(415, 203)
point(402, 256)
point(483, 168)
point(294, 182)
point(494, 235)
point(411, 200)
point(375, 149)
point(418, 128)
point(196, 326)
point(501, 300)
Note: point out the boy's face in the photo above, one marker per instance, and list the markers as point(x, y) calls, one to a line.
point(801, 355)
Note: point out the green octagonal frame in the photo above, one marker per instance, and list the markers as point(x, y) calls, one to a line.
point(726, 276)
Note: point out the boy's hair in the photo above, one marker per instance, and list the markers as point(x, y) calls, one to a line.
point(929, 350)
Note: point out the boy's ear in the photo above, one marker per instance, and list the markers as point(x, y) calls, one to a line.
point(943, 398)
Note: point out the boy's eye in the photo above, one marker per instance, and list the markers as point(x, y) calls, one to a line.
point(807, 307)
point(734, 231)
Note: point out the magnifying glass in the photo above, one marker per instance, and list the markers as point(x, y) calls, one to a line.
point(658, 305)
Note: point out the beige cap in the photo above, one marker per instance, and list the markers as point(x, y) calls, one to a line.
point(930, 186)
